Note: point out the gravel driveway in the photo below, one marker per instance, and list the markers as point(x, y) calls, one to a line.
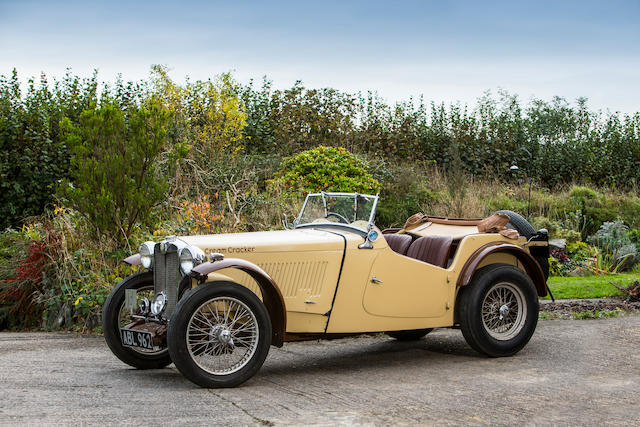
point(572, 372)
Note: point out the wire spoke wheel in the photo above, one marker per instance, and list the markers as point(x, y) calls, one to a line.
point(222, 335)
point(504, 311)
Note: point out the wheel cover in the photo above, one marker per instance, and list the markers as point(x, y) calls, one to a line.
point(222, 335)
point(124, 318)
point(504, 311)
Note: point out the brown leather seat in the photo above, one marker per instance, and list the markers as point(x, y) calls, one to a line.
point(431, 249)
point(398, 242)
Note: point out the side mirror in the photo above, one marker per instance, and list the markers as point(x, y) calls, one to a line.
point(371, 236)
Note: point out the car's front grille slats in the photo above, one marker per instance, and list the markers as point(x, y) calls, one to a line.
point(159, 275)
point(166, 274)
point(172, 268)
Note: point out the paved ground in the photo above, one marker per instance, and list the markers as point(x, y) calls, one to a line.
point(572, 372)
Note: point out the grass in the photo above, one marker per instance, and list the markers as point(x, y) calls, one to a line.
point(590, 286)
point(581, 315)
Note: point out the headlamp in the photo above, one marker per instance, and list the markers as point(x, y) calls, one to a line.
point(159, 304)
point(146, 254)
point(186, 260)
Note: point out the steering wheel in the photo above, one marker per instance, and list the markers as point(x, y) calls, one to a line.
point(340, 217)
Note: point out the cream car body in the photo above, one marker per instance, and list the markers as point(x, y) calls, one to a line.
point(326, 278)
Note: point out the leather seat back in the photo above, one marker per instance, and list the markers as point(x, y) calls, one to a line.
point(431, 249)
point(398, 242)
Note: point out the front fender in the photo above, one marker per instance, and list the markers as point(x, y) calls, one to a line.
point(271, 295)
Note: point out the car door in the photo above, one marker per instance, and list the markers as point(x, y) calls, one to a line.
point(399, 286)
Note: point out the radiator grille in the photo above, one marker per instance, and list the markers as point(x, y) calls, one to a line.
point(166, 274)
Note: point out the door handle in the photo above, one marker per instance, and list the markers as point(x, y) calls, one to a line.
point(375, 280)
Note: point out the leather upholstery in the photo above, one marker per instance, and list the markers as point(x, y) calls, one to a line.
point(398, 242)
point(431, 249)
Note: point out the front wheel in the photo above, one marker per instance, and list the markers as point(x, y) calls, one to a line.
point(219, 335)
point(498, 310)
point(115, 316)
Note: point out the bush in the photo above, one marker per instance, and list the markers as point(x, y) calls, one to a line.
point(325, 169)
point(578, 251)
point(570, 236)
point(115, 184)
point(613, 238)
point(32, 156)
point(26, 276)
point(541, 222)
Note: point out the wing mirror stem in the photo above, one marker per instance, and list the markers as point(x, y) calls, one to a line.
point(371, 236)
point(285, 222)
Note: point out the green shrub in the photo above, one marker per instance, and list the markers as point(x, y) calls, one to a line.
point(555, 267)
point(570, 236)
point(115, 184)
point(540, 222)
point(325, 169)
point(613, 238)
point(578, 251)
point(32, 156)
point(579, 192)
point(634, 236)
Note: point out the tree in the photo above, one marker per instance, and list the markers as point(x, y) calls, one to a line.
point(114, 180)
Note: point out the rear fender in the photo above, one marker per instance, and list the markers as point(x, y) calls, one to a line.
point(531, 266)
point(271, 296)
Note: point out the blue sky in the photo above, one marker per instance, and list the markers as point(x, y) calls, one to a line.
point(447, 51)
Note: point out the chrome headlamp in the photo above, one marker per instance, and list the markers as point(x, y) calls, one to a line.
point(159, 304)
point(146, 254)
point(144, 306)
point(190, 257)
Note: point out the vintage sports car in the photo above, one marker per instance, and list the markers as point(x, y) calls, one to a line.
point(213, 305)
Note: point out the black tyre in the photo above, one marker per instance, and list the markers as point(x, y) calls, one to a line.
point(410, 335)
point(219, 335)
point(498, 310)
point(114, 316)
point(518, 223)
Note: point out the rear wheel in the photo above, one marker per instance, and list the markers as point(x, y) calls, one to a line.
point(409, 335)
point(219, 335)
point(498, 310)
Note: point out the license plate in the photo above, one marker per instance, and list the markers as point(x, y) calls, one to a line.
point(140, 339)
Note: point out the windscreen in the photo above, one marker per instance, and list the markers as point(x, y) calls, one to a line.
point(351, 209)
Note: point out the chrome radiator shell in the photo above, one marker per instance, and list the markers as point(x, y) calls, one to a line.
point(166, 274)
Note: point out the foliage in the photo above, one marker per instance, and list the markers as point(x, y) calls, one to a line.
point(115, 183)
point(565, 143)
point(613, 238)
point(213, 152)
point(571, 236)
point(200, 216)
point(555, 268)
point(590, 286)
point(33, 157)
point(598, 314)
point(578, 251)
point(205, 127)
point(325, 169)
